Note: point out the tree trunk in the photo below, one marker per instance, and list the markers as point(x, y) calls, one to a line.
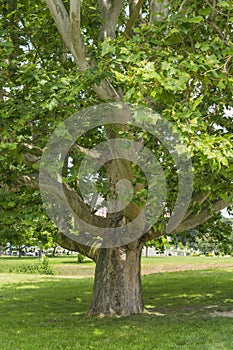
point(117, 286)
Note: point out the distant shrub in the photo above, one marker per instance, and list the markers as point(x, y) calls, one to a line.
point(210, 254)
point(42, 267)
point(80, 258)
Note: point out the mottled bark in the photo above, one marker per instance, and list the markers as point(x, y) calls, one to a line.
point(158, 10)
point(117, 287)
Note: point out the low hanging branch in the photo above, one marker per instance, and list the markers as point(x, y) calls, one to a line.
point(198, 219)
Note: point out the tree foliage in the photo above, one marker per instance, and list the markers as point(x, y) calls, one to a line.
point(174, 57)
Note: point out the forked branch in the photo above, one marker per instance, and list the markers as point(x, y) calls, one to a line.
point(110, 11)
point(62, 21)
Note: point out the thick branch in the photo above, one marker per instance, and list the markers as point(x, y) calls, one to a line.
point(198, 198)
point(110, 11)
point(150, 235)
point(105, 91)
point(66, 242)
point(76, 37)
point(69, 28)
point(62, 192)
point(158, 10)
point(62, 21)
point(198, 219)
point(58, 191)
point(133, 17)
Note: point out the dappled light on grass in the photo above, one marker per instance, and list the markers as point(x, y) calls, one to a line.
point(49, 312)
point(26, 287)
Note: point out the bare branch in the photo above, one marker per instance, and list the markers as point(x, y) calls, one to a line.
point(110, 11)
point(207, 213)
point(133, 17)
point(158, 10)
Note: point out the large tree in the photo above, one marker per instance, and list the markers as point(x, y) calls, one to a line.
point(173, 58)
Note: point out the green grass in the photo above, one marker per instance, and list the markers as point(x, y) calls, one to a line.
point(48, 312)
point(68, 265)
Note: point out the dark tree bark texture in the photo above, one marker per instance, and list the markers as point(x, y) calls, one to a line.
point(117, 286)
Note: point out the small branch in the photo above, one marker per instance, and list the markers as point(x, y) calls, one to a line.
point(106, 91)
point(133, 17)
point(226, 64)
point(29, 146)
point(220, 33)
point(30, 159)
point(181, 6)
point(90, 152)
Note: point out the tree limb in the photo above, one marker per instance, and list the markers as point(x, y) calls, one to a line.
point(158, 10)
point(75, 32)
point(80, 209)
point(69, 29)
point(133, 17)
point(68, 243)
point(105, 91)
point(97, 155)
point(62, 21)
point(150, 235)
point(198, 219)
point(198, 198)
point(110, 11)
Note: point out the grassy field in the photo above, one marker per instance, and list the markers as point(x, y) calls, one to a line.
point(68, 266)
point(186, 309)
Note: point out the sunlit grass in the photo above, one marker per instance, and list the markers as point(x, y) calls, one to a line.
point(48, 312)
point(68, 265)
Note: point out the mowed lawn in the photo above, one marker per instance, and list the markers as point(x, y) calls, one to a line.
point(189, 309)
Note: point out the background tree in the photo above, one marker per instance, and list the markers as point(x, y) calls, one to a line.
point(213, 236)
point(177, 61)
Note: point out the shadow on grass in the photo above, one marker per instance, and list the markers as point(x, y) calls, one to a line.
point(188, 292)
point(76, 262)
point(49, 313)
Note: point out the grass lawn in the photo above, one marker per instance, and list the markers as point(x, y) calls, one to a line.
point(186, 309)
point(68, 266)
